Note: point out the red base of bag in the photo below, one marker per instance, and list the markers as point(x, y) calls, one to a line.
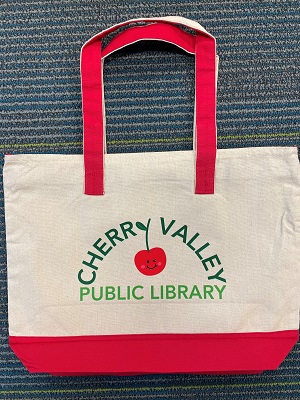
point(150, 354)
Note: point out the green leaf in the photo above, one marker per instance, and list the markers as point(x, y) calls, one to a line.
point(141, 226)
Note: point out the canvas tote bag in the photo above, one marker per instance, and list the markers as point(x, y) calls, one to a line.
point(181, 261)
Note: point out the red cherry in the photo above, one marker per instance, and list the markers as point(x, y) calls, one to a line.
point(150, 262)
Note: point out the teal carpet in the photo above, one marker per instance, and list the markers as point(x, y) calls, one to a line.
point(149, 104)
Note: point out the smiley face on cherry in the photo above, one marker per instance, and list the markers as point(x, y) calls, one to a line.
point(151, 261)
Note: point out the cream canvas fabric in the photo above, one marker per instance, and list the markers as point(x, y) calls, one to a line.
point(252, 225)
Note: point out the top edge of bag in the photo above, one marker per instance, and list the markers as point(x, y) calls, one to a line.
point(239, 152)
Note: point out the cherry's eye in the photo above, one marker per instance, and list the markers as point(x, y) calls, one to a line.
point(147, 261)
point(154, 260)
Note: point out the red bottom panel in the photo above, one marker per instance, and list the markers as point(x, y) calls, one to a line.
point(155, 353)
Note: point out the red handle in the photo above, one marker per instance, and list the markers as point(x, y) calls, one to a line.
point(203, 45)
point(155, 31)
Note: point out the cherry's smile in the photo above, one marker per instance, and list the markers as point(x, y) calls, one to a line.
point(152, 267)
point(155, 265)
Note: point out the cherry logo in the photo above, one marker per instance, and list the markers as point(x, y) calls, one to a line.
point(151, 261)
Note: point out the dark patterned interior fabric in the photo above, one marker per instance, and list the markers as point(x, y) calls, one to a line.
point(149, 91)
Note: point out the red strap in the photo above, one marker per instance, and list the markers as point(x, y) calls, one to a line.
point(93, 125)
point(206, 135)
point(156, 31)
point(92, 97)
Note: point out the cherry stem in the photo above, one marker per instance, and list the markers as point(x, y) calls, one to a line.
point(147, 230)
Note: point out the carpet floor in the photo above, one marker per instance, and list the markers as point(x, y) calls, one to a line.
point(149, 94)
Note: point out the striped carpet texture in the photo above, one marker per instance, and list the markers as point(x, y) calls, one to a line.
point(149, 103)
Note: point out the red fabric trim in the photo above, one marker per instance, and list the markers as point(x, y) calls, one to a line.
point(93, 125)
point(205, 102)
point(158, 31)
point(206, 138)
point(157, 353)
point(139, 373)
